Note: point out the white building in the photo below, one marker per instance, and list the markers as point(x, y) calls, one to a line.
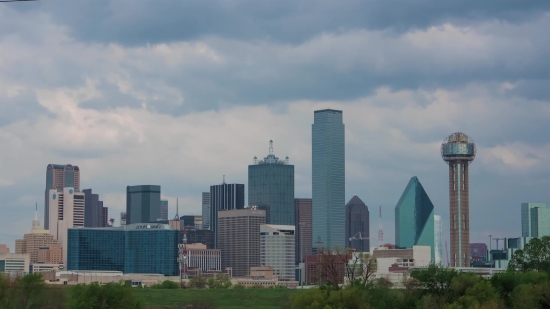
point(277, 249)
point(394, 264)
point(15, 263)
point(205, 259)
point(66, 211)
point(41, 268)
point(438, 240)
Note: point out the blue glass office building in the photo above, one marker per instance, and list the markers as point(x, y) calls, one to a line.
point(328, 180)
point(135, 248)
point(414, 218)
point(271, 188)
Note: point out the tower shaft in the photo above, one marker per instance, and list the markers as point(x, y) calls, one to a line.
point(459, 213)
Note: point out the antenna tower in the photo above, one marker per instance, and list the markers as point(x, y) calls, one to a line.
point(182, 258)
point(271, 147)
point(380, 228)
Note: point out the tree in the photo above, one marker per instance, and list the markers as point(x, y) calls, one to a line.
point(166, 284)
point(331, 267)
point(435, 279)
point(360, 267)
point(198, 282)
point(535, 256)
point(31, 287)
point(107, 296)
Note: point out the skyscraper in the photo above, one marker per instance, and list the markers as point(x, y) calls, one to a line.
point(458, 150)
point(163, 210)
point(302, 208)
point(38, 238)
point(438, 240)
point(535, 220)
point(357, 225)
point(92, 209)
point(328, 180)
point(206, 210)
point(224, 197)
point(59, 176)
point(414, 218)
point(142, 204)
point(277, 249)
point(271, 188)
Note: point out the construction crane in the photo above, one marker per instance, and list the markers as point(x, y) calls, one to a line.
point(447, 253)
point(354, 237)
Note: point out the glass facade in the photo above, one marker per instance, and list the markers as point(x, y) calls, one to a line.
point(271, 188)
point(527, 219)
point(357, 221)
point(163, 210)
point(277, 249)
point(206, 210)
point(438, 240)
point(414, 218)
point(328, 180)
point(540, 222)
point(142, 204)
point(224, 197)
point(136, 248)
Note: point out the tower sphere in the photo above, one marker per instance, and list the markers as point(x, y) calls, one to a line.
point(458, 147)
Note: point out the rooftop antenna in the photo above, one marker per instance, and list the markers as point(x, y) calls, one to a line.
point(380, 228)
point(224, 179)
point(177, 209)
point(271, 147)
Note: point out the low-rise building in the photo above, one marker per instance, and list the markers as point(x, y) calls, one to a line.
point(15, 263)
point(198, 256)
point(394, 264)
point(263, 276)
point(4, 249)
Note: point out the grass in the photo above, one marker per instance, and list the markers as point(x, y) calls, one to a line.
point(219, 298)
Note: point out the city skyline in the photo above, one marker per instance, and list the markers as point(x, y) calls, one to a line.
point(182, 108)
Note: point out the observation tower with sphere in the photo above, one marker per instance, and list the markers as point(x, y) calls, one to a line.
point(459, 150)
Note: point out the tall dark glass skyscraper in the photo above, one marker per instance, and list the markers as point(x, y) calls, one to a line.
point(357, 225)
point(224, 197)
point(142, 204)
point(271, 188)
point(414, 218)
point(59, 176)
point(328, 180)
point(93, 209)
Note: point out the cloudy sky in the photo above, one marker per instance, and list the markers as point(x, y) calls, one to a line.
point(179, 93)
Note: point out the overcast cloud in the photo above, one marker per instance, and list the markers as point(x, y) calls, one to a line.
point(179, 93)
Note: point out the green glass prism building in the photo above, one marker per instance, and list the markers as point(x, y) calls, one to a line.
point(328, 180)
point(414, 218)
point(271, 188)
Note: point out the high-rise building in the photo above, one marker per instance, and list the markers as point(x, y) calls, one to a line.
point(206, 210)
point(4, 249)
point(142, 204)
point(36, 239)
point(357, 225)
point(302, 208)
point(535, 220)
point(271, 188)
point(59, 176)
point(163, 210)
point(224, 197)
point(239, 239)
point(93, 210)
point(66, 211)
point(122, 218)
point(458, 150)
point(328, 179)
point(414, 218)
point(277, 249)
point(478, 251)
point(198, 236)
point(135, 248)
point(104, 215)
point(438, 240)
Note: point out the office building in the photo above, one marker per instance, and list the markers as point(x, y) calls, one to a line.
point(239, 239)
point(59, 176)
point(458, 151)
point(188, 220)
point(535, 220)
point(199, 236)
point(277, 249)
point(50, 254)
point(36, 239)
point(134, 248)
point(123, 218)
point(163, 209)
point(478, 251)
point(302, 210)
point(142, 204)
point(104, 222)
point(357, 225)
point(438, 241)
point(66, 212)
point(4, 249)
point(224, 197)
point(271, 188)
point(328, 180)
point(414, 218)
point(206, 210)
point(17, 263)
point(198, 256)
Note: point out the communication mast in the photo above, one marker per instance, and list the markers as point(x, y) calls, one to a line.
point(380, 228)
point(182, 258)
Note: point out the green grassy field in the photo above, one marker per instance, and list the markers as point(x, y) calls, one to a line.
point(219, 298)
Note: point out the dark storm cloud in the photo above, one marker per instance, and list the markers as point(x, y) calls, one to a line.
point(142, 21)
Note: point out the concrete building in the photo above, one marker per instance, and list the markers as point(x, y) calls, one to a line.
point(142, 204)
point(394, 264)
point(458, 151)
point(46, 268)
point(66, 212)
point(239, 239)
point(198, 256)
point(535, 220)
point(414, 218)
point(50, 254)
point(59, 176)
point(501, 258)
point(36, 239)
point(224, 197)
point(94, 211)
point(15, 263)
point(271, 188)
point(263, 276)
point(277, 249)
point(478, 251)
point(302, 208)
point(328, 179)
point(134, 248)
point(206, 210)
point(357, 225)
point(438, 241)
point(163, 210)
point(316, 273)
point(4, 249)
point(122, 218)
